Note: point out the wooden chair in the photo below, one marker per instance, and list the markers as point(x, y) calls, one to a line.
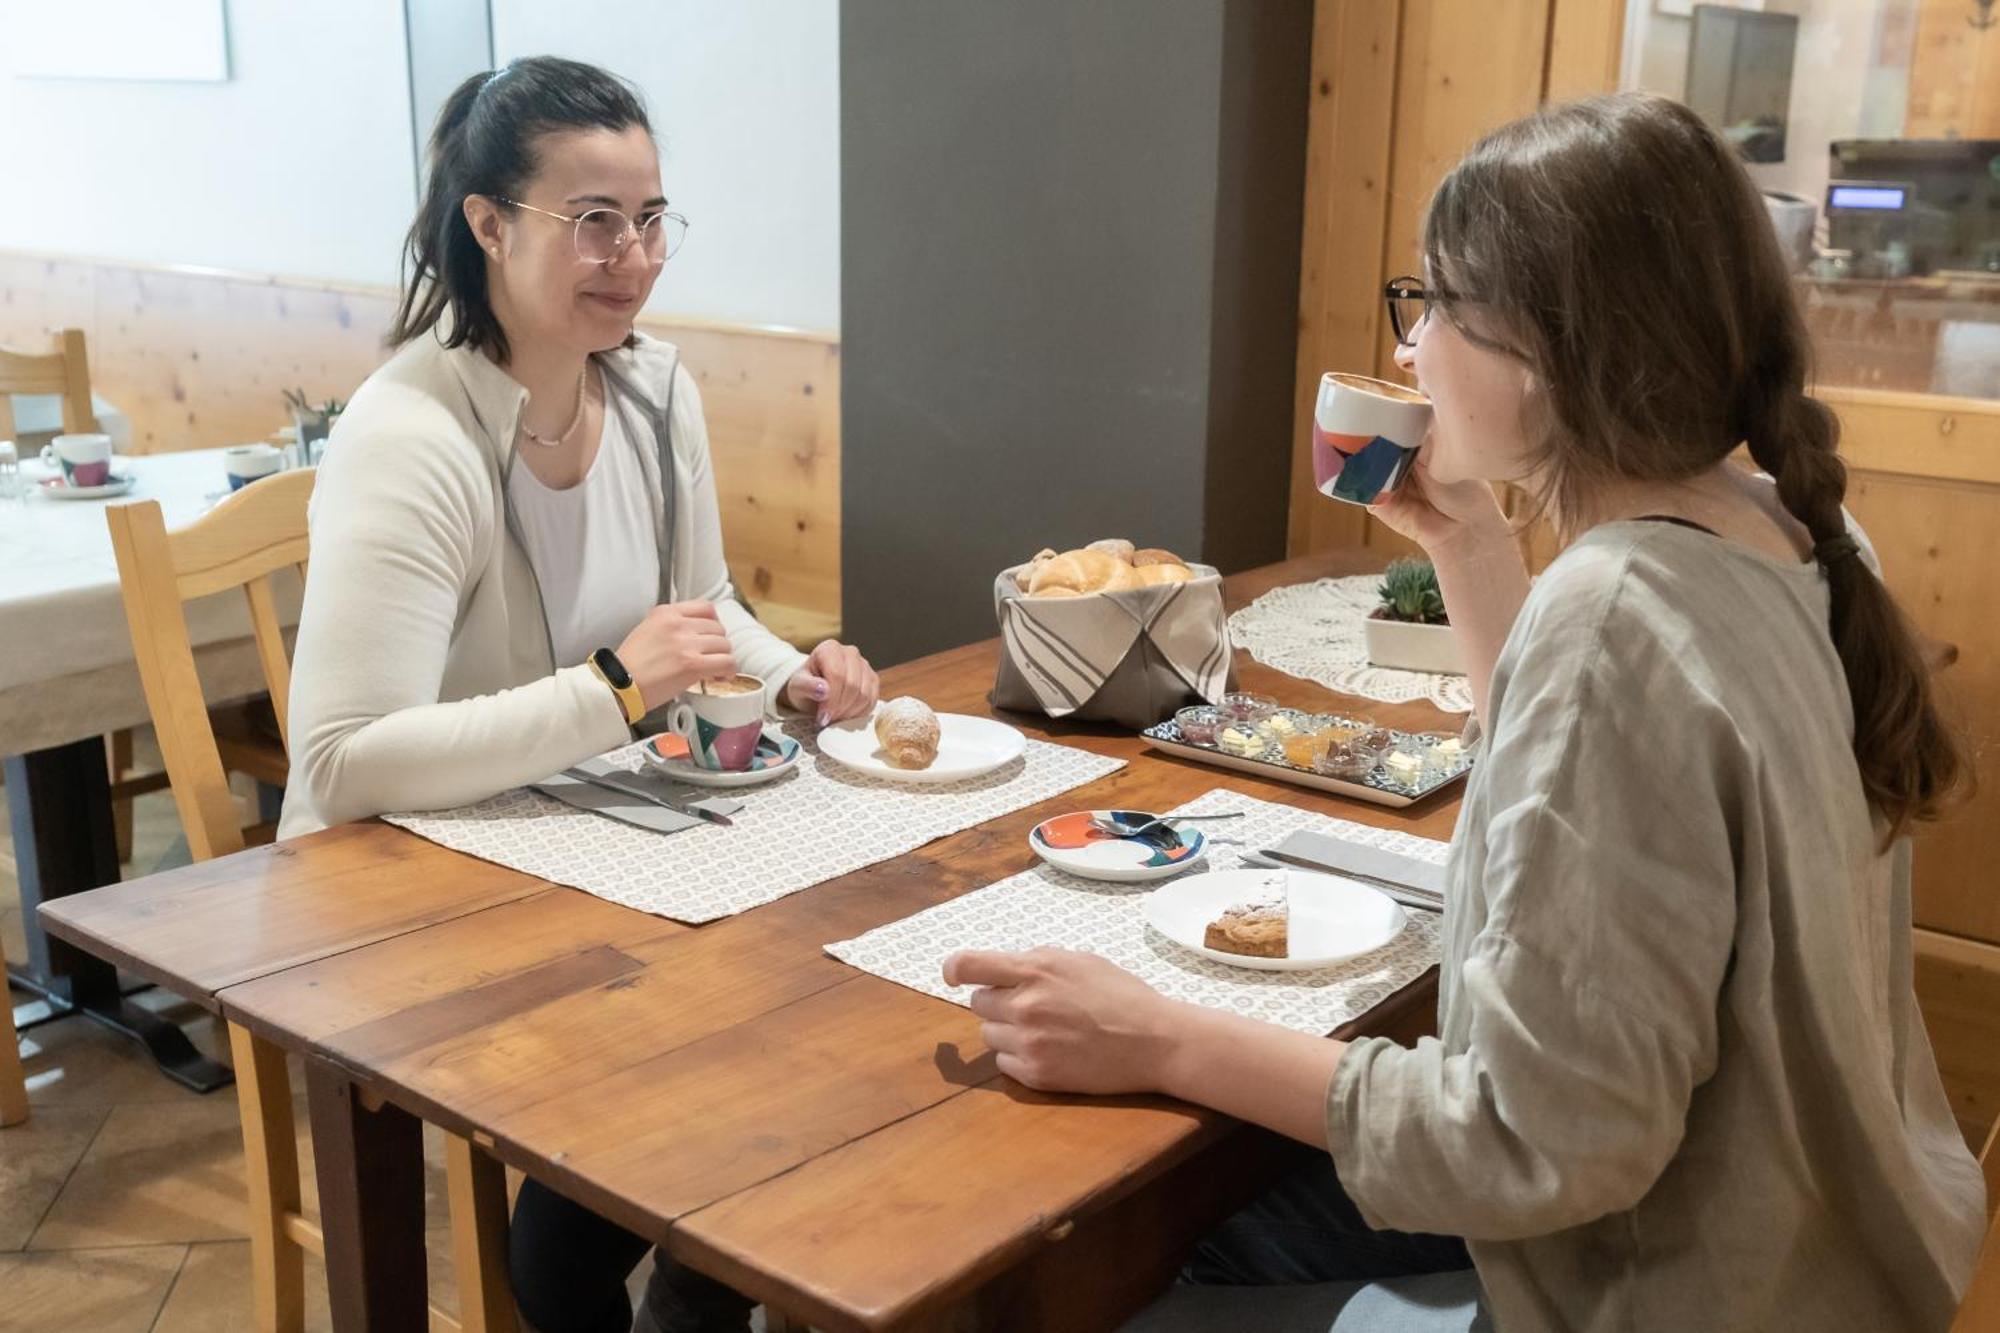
point(257, 531)
point(13, 1082)
point(1980, 1312)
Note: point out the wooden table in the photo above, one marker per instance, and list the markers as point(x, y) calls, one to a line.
point(828, 1142)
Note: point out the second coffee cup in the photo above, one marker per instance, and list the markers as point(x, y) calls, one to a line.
point(1365, 436)
point(721, 721)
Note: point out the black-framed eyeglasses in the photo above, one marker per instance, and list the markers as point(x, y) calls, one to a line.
point(603, 233)
point(1409, 301)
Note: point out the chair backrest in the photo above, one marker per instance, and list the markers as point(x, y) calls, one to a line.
point(238, 544)
point(1980, 1312)
point(64, 370)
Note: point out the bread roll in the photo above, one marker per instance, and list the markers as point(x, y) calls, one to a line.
point(1048, 594)
point(1153, 555)
point(1026, 577)
point(1083, 571)
point(1114, 546)
point(908, 732)
point(1152, 574)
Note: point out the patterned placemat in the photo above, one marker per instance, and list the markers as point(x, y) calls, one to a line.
point(1046, 906)
point(822, 822)
point(1315, 631)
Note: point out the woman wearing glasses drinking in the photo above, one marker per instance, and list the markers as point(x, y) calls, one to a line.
point(516, 553)
point(1680, 1079)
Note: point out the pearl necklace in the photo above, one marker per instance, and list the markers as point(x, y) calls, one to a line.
point(576, 417)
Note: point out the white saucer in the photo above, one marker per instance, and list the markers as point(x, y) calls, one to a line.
point(56, 489)
point(1332, 918)
point(968, 747)
point(779, 755)
point(1113, 859)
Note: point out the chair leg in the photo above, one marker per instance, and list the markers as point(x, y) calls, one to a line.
point(118, 756)
point(13, 1081)
point(476, 1187)
point(271, 1169)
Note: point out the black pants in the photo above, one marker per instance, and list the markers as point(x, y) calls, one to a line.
point(569, 1267)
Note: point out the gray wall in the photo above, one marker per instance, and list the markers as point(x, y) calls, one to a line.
point(1069, 275)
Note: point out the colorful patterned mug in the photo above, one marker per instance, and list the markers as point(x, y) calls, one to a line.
point(85, 459)
point(1365, 436)
point(721, 721)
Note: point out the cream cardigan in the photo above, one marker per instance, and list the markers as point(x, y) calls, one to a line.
point(423, 676)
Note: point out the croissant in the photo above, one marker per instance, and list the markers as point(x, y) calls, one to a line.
point(1114, 546)
point(908, 732)
point(1083, 571)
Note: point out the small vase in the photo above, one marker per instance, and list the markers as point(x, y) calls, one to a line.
point(1408, 646)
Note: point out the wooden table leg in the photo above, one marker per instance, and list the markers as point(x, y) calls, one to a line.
point(370, 1166)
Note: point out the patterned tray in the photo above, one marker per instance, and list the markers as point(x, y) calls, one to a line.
point(1378, 787)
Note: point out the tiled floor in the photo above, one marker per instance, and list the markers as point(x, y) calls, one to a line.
point(122, 1199)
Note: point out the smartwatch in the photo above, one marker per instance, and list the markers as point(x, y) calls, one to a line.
point(613, 673)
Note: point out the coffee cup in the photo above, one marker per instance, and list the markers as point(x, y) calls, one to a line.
point(85, 460)
point(1365, 436)
point(721, 720)
point(246, 462)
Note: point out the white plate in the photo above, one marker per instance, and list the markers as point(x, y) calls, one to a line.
point(681, 769)
point(56, 489)
point(1113, 859)
point(968, 747)
point(1331, 918)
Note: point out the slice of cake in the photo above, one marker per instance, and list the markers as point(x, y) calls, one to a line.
point(1255, 930)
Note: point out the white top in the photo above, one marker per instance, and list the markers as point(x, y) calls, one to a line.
point(592, 545)
point(424, 677)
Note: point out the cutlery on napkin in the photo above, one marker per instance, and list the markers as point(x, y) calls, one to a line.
point(639, 799)
point(1409, 881)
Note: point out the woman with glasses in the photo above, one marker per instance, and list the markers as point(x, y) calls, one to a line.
point(516, 550)
point(1680, 1079)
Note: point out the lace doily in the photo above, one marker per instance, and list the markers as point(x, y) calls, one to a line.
point(1314, 631)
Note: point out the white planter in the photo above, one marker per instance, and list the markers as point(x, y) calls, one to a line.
point(1411, 647)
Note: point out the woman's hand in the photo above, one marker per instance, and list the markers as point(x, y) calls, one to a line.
point(673, 647)
point(1440, 516)
point(1068, 1022)
point(836, 683)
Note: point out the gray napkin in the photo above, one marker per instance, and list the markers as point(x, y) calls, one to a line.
point(633, 810)
point(1320, 850)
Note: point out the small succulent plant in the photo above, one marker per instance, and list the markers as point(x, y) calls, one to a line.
point(1410, 592)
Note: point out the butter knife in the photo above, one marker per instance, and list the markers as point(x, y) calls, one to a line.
point(1272, 859)
point(608, 783)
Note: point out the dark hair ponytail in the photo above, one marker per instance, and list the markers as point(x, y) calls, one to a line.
point(1910, 761)
point(1568, 223)
point(484, 143)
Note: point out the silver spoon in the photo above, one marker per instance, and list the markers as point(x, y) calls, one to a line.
point(1121, 829)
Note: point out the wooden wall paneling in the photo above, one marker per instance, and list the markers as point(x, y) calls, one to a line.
point(1586, 41)
point(1954, 75)
point(1346, 213)
point(197, 358)
point(1958, 988)
point(1940, 544)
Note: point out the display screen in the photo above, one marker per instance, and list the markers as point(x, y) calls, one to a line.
point(1867, 196)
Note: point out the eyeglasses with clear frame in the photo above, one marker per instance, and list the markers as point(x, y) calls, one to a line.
point(603, 233)
point(1409, 301)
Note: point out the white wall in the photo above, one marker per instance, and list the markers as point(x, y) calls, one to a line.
point(299, 165)
point(302, 164)
point(745, 99)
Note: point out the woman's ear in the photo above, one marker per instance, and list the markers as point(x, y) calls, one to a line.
point(488, 226)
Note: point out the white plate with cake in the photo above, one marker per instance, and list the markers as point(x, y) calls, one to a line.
point(906, 742)
point(1274, 920)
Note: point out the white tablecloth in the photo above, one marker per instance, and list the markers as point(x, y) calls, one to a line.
point(66, 669)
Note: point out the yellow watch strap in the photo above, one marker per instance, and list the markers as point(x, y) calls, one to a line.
point(630, 700)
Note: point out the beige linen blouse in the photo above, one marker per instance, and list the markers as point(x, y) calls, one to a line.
point(1681, 1082)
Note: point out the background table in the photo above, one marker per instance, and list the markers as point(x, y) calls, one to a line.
point(829, 1142)
point(67, 678)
